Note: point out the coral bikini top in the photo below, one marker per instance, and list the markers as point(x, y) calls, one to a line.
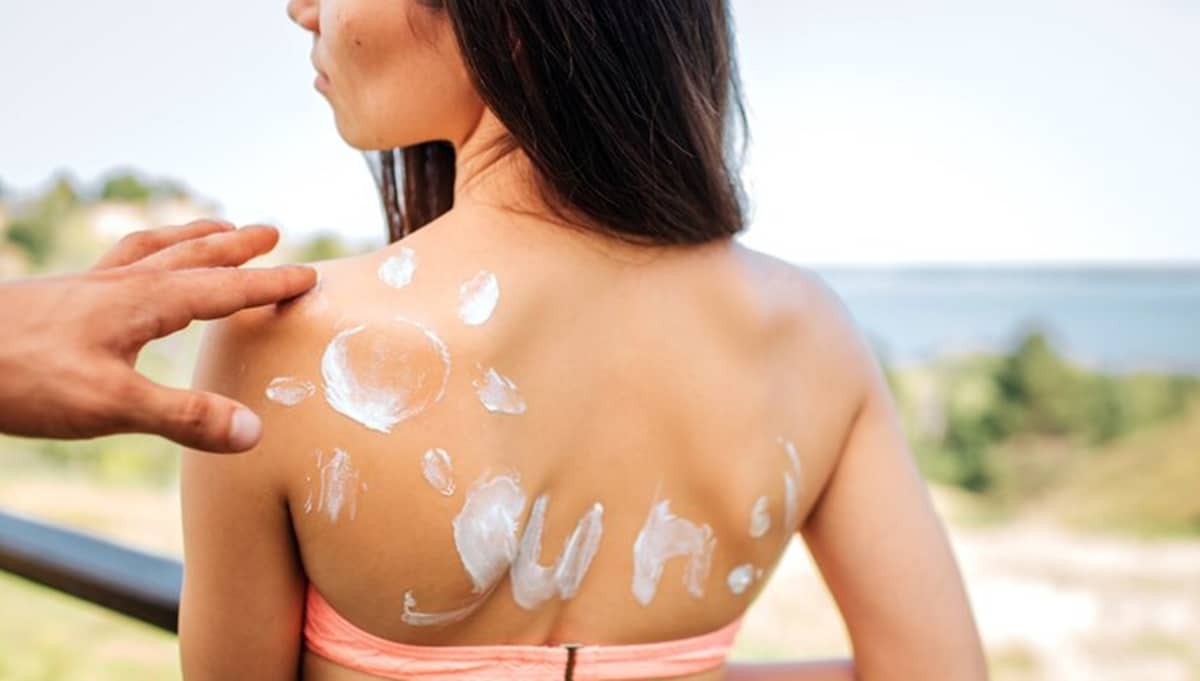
point(331, 636)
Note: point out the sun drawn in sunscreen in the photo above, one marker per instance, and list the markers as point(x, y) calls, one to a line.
point(397, 270)
point(383, 375)
point(289, 391)
point(308, 483)
point(340, 484)
point(499, 394)
point(438, 471)
point(477, 298)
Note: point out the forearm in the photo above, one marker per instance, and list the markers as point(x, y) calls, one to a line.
point(813, 670)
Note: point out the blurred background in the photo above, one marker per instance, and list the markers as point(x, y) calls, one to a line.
point(1007, 196)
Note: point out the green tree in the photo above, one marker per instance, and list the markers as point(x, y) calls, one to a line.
point(34, 237)
point(1038, 389)
point(35, 228)
point(126, 187)
point(967, 441)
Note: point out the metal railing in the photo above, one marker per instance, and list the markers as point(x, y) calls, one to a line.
point(141, 585)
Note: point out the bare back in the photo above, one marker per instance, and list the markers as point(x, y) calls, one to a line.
point(666, 419)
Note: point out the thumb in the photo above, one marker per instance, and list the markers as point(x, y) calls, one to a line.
point(194, 419)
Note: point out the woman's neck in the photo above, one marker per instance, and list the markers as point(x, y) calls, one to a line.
point(489, 171)
point(494, 175)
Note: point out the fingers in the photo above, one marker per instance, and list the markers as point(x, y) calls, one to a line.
point(194, 419)
point(189, 295)
point(137, 245)
point(221, 249)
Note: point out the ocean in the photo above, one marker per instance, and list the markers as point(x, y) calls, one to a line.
point(1116, 319)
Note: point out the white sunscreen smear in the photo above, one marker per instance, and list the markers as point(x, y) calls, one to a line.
point(791, 487)
point(665, 536)
point(477, 298)
point(308, 483)
point(386, 386)
point(581, 548)
point(397, 270)
point(485, 530)
point(791, 502)
point(308, 499)
point(339, 486)
point(438, 471)
point(740, 578)
point(793, 457)
point(289, 391)
point(499, 394)
point(416, 618)
point(534, 584)
point(760, 518)
point(443, 355)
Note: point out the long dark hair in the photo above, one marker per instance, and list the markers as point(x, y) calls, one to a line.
point(630, 112)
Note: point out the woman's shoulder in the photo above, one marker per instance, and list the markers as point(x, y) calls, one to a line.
point(805, 314)
point(355, 298)
point(390, 282)
point(795, 288)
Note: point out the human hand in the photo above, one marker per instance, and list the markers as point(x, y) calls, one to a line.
point(68, 344)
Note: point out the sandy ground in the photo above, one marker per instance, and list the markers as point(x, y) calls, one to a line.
point(1050, 604)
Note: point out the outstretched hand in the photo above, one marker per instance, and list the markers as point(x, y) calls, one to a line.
point(68, 344)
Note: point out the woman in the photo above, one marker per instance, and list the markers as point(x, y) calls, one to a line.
point(563, 426)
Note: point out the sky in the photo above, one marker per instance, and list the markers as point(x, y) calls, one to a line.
point(884, 131)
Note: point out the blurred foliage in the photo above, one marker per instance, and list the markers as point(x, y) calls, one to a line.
point(1017, 428)
point(129, 187)
point(1144, 484)
point(34, 229)
point(322, 247)
point(126, 188)
point(119, 459)
point(52, 231)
